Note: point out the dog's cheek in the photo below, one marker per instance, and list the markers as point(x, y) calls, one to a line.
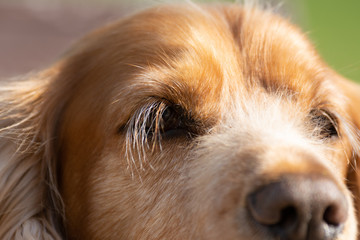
point(128, 201)
point(343, 169)
point(350, 228)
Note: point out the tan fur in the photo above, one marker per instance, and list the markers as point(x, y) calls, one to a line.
point(77, 161)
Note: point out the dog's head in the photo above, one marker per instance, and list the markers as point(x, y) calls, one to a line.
point(189, 122)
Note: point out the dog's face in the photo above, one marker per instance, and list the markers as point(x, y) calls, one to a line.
point(217, 123)
point(204, 123)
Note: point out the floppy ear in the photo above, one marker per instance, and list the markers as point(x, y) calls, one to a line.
point(352, 93)
point(28, 195)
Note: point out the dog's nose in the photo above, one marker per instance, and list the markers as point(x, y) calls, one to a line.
point(299, 207)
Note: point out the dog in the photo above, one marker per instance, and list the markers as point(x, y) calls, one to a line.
point(182, 122)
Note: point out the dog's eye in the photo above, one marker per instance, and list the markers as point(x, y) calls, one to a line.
point(165, 121)
point(159, 120)
point(170, 120)
point(325, 124)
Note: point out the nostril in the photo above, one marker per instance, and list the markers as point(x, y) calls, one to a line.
point(288, 218)
point(271, 206)
point(334, 215)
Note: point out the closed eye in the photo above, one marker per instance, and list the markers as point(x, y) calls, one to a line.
point(159, 120)
point(166, 121)
point(324, 123)
point(156, 120)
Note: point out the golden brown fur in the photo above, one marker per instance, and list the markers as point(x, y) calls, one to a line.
point(86, 152)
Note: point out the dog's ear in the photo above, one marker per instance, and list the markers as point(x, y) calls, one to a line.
point(352, 107)
point(27, 183)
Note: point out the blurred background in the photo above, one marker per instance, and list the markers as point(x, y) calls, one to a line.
point(34, 33)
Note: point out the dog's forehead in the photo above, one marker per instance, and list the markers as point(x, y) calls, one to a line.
point(201, 58)
point(210, 51)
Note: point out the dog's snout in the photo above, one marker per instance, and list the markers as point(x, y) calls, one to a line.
point(300, 207)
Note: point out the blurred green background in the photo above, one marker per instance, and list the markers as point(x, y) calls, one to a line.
point(334, 28)
point(34, 32)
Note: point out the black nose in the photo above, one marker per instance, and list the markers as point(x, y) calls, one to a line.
point(300, 207)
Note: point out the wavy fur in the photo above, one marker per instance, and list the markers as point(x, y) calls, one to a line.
point(83, 146)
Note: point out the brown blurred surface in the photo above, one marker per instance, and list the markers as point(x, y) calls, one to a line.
point(31, 38)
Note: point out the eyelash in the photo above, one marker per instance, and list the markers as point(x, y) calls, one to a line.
point(146, 128)
point(157, 120)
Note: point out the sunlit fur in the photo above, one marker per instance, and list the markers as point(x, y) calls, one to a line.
point(78, 161)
